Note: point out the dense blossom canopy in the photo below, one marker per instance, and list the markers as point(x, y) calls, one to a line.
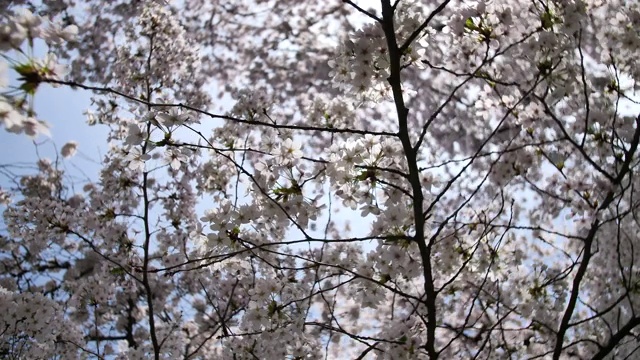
point(409, 179)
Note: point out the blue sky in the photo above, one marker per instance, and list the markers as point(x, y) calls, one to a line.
point(63, 109)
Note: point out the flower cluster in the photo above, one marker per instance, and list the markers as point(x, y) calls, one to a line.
point(37, 327)
point(357, 167)
point(16, 111)
point(362, 64)
point(161, 43)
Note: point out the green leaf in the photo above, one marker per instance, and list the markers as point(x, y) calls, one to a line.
point(117, 271)
point(272, 308)
point(30, 75)
point(547, 20)
point(109, 214)
point(384, 278)
point(29, 88)
point(470, 25)
point(545, 67)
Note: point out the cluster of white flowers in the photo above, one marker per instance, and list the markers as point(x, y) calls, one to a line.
point(16, 114)
point(361, 66)
point(335, 112)
point(156, 41)
point(250, 105)
point(355, 170)
point(5, 197)
point(37, 327)
point(69, 149)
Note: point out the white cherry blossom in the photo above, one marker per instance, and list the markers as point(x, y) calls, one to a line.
point(69, 149)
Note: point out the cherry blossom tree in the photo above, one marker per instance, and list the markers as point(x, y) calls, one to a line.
point(485, 151)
